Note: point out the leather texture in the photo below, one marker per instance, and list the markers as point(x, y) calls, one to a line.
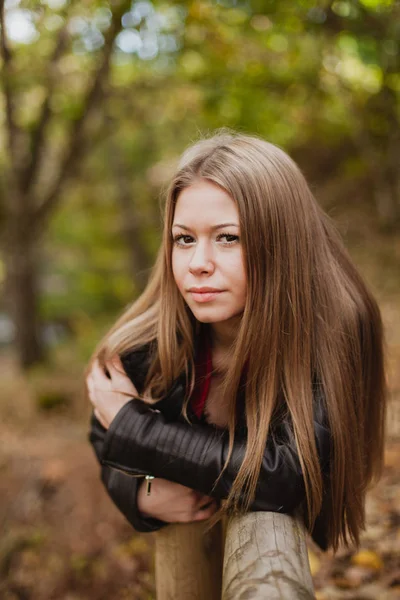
point(156, 440)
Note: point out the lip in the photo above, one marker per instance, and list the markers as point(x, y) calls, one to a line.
point(203, 289)
point(206, 294)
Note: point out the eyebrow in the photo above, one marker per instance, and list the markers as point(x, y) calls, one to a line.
point(213, 228)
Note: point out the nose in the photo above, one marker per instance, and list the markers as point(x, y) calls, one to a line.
point(202, 260)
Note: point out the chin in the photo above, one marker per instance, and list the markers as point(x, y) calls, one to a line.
point(211, 316)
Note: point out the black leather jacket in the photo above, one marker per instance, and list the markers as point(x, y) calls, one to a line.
point(156, 440)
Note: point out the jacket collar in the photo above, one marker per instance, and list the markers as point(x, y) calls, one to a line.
point(136, 364)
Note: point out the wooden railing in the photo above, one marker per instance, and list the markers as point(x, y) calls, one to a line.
point(256, 556)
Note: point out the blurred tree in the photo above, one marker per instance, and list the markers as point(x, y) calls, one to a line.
point(25, 206)
point(321, 80)
point(362, 51)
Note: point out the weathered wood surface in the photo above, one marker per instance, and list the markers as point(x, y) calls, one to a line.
point(266, 557)
point(188, 564)
point(258, 556)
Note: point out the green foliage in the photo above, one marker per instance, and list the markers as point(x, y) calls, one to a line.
point(302, 75)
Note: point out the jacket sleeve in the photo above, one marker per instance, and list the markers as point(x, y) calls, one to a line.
point(194, 454)
point(121, 487)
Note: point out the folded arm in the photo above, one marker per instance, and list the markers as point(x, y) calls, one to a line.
point(141, 440)
point(121, 487)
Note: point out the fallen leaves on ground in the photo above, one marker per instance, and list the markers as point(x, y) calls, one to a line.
point(63, 538)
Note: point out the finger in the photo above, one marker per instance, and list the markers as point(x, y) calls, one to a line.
point(89, 386)
point(117, 364)
point(92, 397)
point(98, 416)
point(101, 367)
point(206, 498)
point(207, 505)
point(197, 496)
point(120, 379)
point(93, 389)
point(123, 385)
point(204, 514)
point(88, 381)
point(99, 377)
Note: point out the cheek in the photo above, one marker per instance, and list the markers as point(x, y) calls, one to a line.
point(177, 269)
point(242, 287)
point(237, 274)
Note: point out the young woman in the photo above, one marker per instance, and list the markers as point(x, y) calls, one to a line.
point(250, 371)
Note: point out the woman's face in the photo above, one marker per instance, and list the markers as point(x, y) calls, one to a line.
point(207, 256)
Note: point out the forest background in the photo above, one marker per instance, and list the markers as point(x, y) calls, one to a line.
point(98, 99)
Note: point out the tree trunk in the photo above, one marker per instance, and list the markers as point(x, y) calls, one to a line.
point(132, 219)
point(387, 199)
point(22, 294)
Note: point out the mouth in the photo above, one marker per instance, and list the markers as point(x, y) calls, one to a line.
point(206, 296)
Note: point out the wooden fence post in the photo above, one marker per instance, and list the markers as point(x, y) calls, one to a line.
point(266, 557)
point(188, 564)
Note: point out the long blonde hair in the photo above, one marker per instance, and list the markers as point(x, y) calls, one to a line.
point(307, 311)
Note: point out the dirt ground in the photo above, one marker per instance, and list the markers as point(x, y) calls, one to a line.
point(63, 539)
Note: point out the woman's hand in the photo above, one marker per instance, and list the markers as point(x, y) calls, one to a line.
point(169, 501)
point(109, 395)
point(174, 503)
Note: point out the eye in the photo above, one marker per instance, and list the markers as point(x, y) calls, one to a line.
point(182, 239)
point(230, 238)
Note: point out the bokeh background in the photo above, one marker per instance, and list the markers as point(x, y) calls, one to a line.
point(98, 100)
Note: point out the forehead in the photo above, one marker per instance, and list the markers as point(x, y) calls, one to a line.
point(205, 203)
